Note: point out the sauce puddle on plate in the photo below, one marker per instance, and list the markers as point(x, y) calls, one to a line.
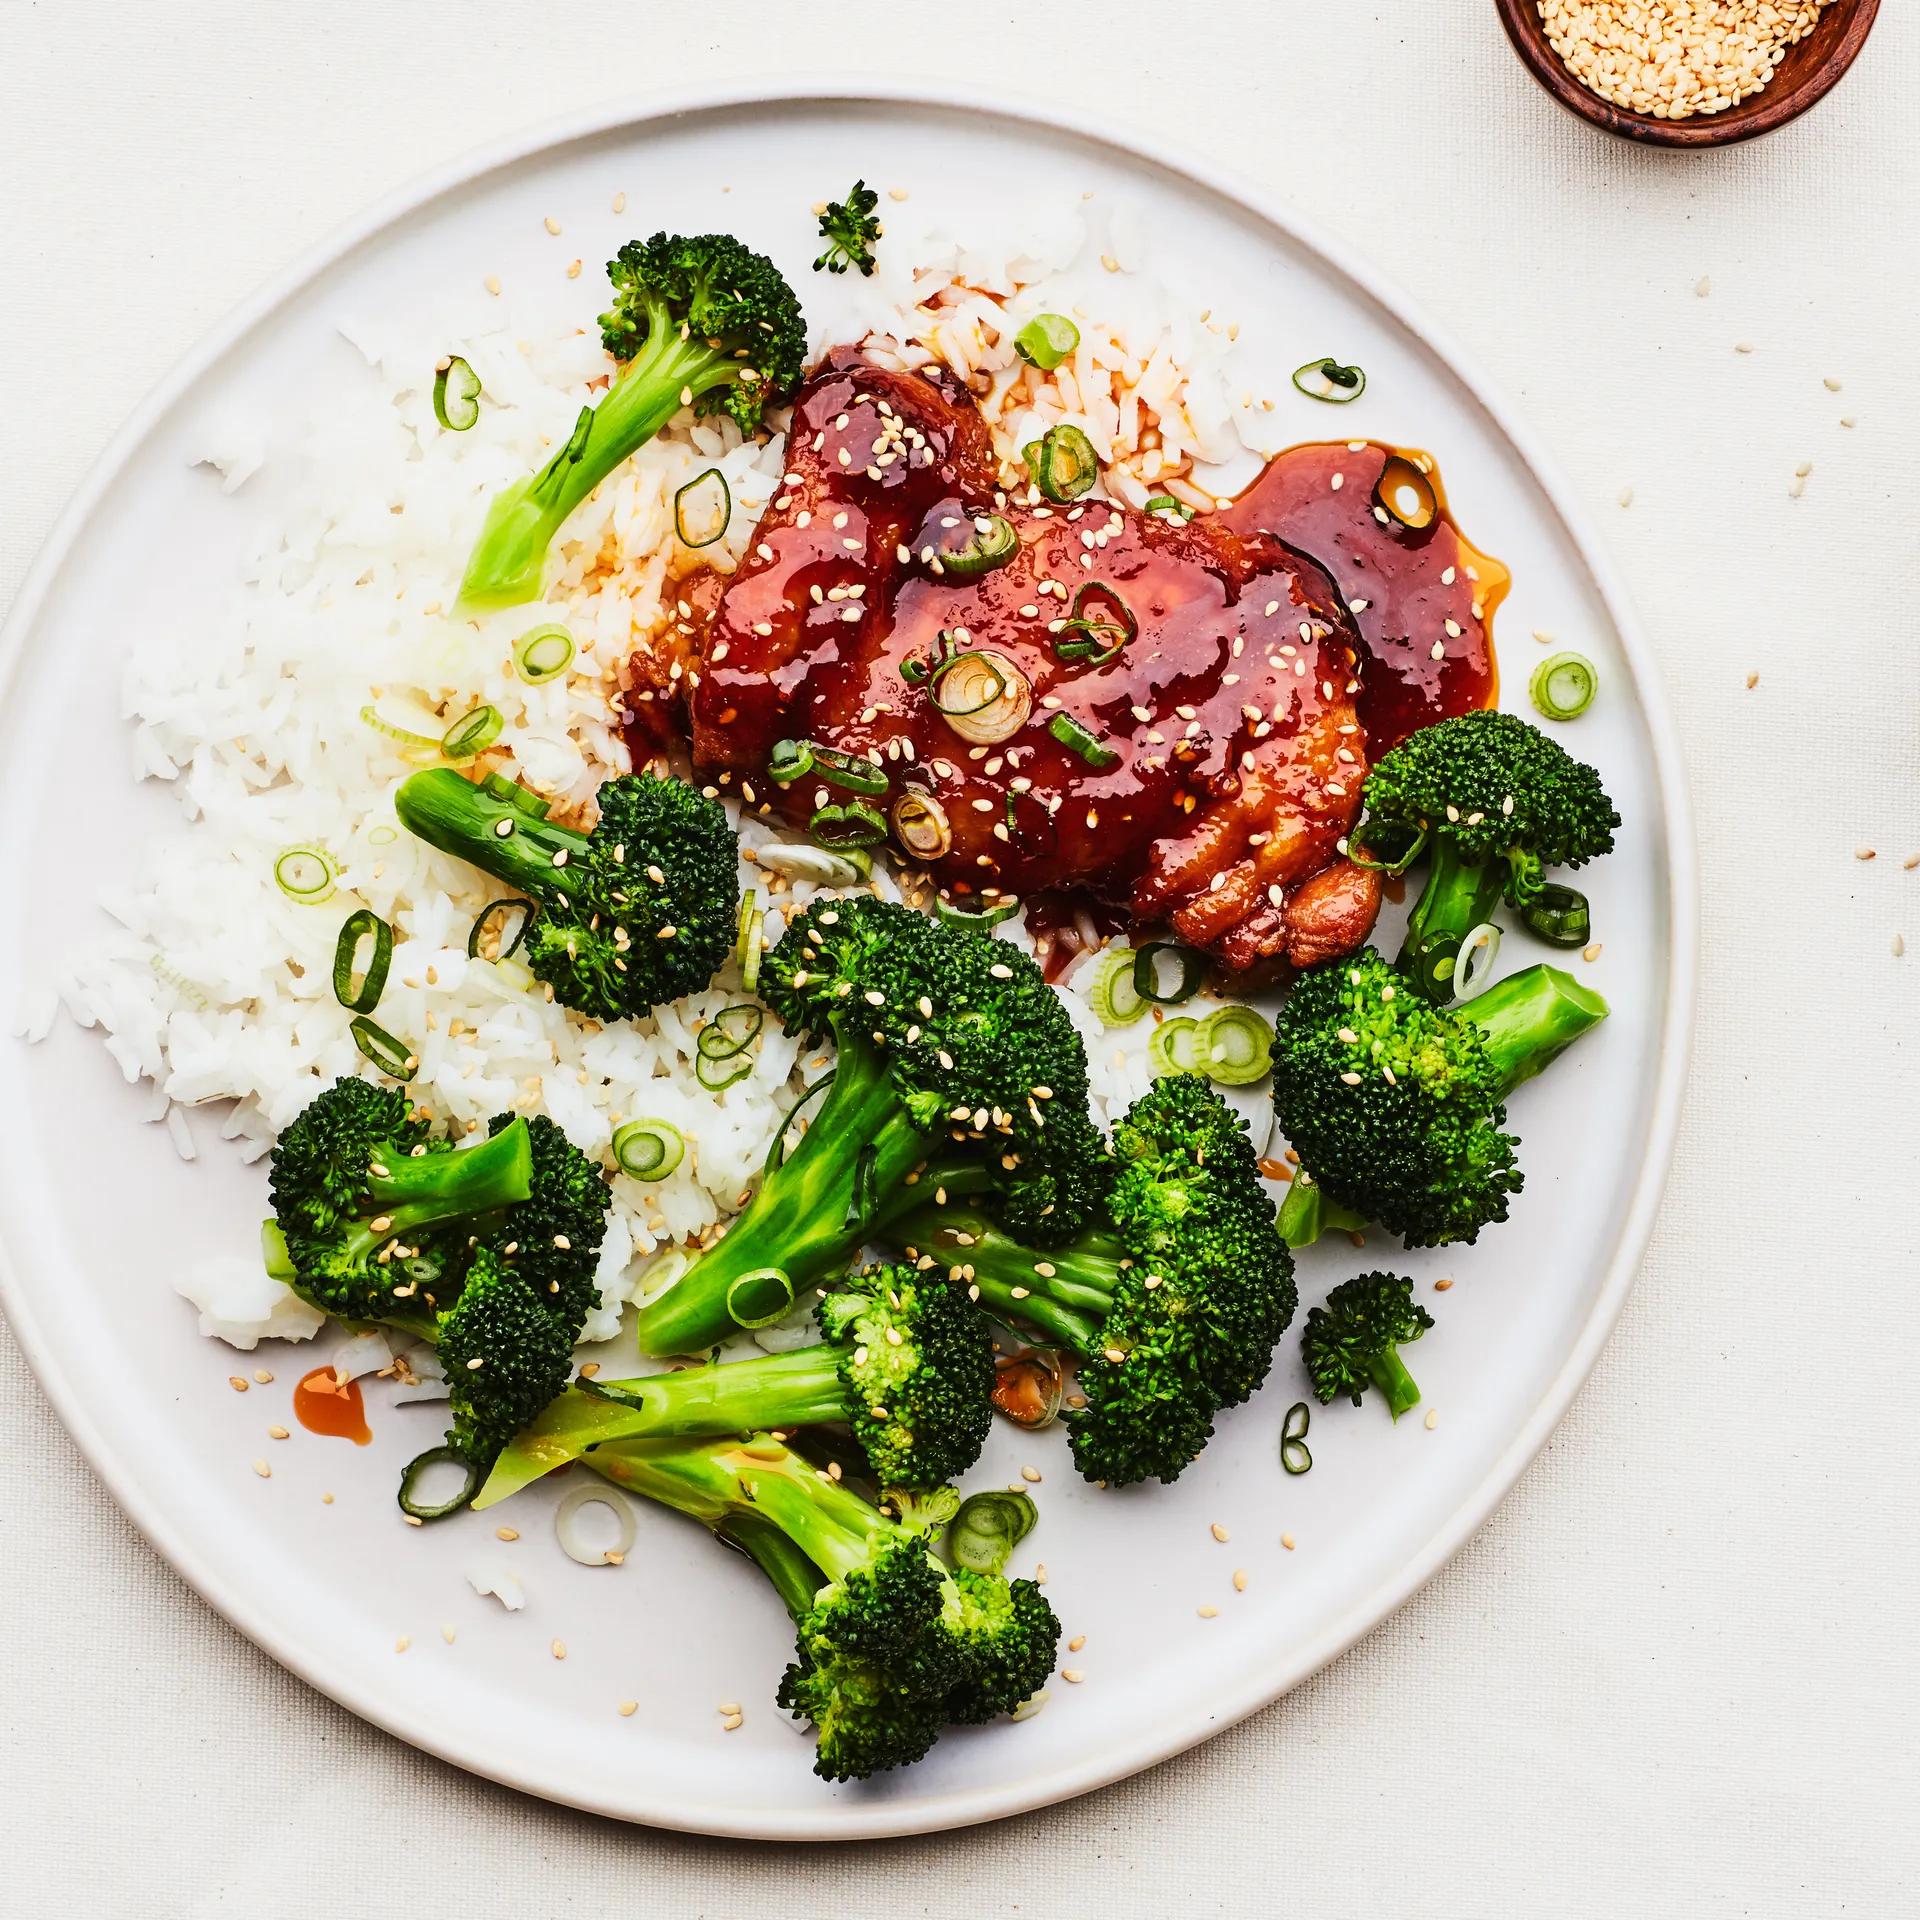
point(324, 1403)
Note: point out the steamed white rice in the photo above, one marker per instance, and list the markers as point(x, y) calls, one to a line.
point(215, 987)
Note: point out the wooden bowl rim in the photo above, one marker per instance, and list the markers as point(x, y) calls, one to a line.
point(1761, 113)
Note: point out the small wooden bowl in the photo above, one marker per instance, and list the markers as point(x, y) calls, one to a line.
point(1806, 73)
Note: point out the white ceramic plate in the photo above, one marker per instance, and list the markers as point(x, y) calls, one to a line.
point(327, 1589)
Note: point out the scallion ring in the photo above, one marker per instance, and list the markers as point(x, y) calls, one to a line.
point(1146, 973)
point(1391, 868)
point(1177, 1046)
point(433, 1457)
point(1108, 627)
point(358, 926)
point(790, 760)
point(1064, 464)
point(1046, 340)
point(992, 543)
point(701, 509)
point(1473, 964)
point(1166, 503)
point(968, 682)
point(1404, 493)
point(542, 654)
point(1294, 1455)
point(456, 395)
point(731, 1031)
point(392, 725)
point(1562, 688)
point(841, 828)
point(493, 910)
point(1115, 1000)
point(386, 1053)
point(752, 946)
point(976, 919)
point(1071, 734)
point(306, 874)
point(648, 1149)
point(759, 1298)
point(1559, 916)
point(473, 733)
point(1328, 380)
point(988, 1527)
point(1236, 1047)
point(718, 1075)
point(566, 1525)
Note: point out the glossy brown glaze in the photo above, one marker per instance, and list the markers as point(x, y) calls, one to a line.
point(1231, 710)
point(323, 1403)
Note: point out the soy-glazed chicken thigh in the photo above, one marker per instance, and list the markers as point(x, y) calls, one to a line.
point(1030, 697)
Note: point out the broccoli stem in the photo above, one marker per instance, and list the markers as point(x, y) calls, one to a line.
point(804, 1224)
point(800, 1389)
point(1460, 894)
point(717, 1481)
point(1308, 1211)
point(1531, 1018)
point(795, 1578)
point(1067, 1305)
point(508, 562)
point(449, 812)
point(443, 1186)
point(1388, 1372)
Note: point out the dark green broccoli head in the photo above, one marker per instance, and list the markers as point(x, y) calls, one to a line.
point(1393, 1104)
point(849, 229)
point(638, 913)
point(1353, 1342)
point(552, 1238)
point(977, 1044)
point(725, 295)
point(1495, 787)
point(916, 1362)
point(1207, 1291)
point(505, 1357)
point(1007, 1636)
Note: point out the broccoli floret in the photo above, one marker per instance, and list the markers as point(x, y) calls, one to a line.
point(892, 1646)
point(1395, 1106)
point(1353, 1342)
point(1497, 802)
point(637, 913)
point(941, 1032)
point(849, 229)
point(487, 1252)
point(1174, 1313)
point(704, 322)
point(907, 1363)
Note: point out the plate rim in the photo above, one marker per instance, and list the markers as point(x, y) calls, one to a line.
point(1174, 1733)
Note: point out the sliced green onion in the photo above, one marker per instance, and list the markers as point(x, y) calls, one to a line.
point(1146, 972)
point(388, 1054)
point(718, 1075)
point(1391, 868)
point(1046, 340)
point(648, 1149)
point(988, 1527)
point(993, 544)
point(1236, 1047)
point(1106, 633)
point(1405, 494)
point(1115, 1000)
point(854, 825)
point(1071, 734)
point(494, 909)
point(382, 837)
point(358, 926)
point(700, 518)
point(1294, 1455)
point(542, 654)
point(731, 1031)
point(1473, 964)
point(456, 395)
point(411, 1472)
point(752, 946)
point(409, 737)
point(759, 1298)
point(976, 919)
point(473, 733)
point(1177, 1046)
point(1562, 688)
point(1064, 464)
point(306, 874)
point(1166, 503)
point(791, 759)
point(973, 689)
point(1328, 380)
point(1559, 916)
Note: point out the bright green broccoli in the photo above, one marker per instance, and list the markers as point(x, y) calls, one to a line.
point(1496, 802)
point(637, 913)
point(704, 323)
point(1395, 1106)
point(849, 229)
point(487, 1252)
point(942, 1034)
point(893, 1646)
point(1174, 1313)
point(907, 1364)
point(1354, 1341)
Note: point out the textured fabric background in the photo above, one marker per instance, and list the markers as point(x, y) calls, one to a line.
point(1675, 1674)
